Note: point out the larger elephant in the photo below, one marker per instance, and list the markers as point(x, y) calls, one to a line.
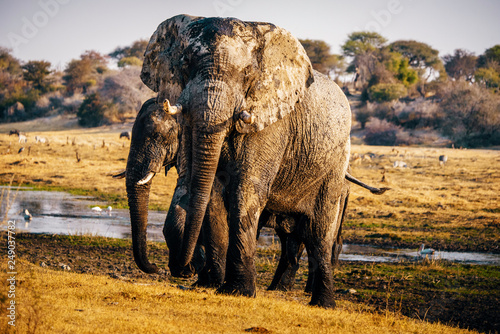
point(242, 91)
point(155, 142)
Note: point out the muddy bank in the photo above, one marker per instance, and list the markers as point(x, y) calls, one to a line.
point(464, 295)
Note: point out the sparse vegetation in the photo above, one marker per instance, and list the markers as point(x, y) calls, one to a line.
point(105, 292)
point(451, 207)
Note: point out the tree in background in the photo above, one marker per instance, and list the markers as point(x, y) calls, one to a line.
point(488, 72)
point(321, 59)
point(490, 58)
point(91, 111)
point(423, 59)
point(362, 48)
point(129, 61)
point(37, 72)
point(13, 88)
point(136, 50)
point(84, 73)
point(461, 65)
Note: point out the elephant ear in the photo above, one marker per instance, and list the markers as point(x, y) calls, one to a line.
point(162, 70)
point(282, 72)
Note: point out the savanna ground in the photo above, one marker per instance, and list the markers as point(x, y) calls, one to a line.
point(451, 207)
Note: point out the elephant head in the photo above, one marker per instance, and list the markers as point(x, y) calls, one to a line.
point(154, 144)
point(225, 77)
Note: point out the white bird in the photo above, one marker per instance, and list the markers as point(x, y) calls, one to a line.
point(27, 215)
point(97, 209)
point(425, 251)
point(108, 210)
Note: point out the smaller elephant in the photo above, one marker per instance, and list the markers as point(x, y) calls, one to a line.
point(155, 144)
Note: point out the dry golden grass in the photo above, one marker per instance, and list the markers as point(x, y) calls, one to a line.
point(100, 150)
point(455, 202)
point(452, 206)
point(61, 302)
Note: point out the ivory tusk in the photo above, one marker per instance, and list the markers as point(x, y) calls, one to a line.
point(171, 110)
point(146, 179)
point(247, 117)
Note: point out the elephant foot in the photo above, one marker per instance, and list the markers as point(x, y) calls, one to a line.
point(280, 287)
point(207, 283)
point(185, 272)
point(323, 302)
point(238, 290)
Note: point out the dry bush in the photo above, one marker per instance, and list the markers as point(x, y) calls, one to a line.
point(381, 132)
point(471, 114)
point(71, 103)
point(126, 91)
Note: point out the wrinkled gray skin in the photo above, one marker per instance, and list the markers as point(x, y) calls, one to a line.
point(154, 144)
point(287, 160)
point(155, 134)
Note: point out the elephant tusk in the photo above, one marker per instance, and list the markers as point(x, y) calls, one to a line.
point(146, 179)
point(247, 117)
point(171, 110)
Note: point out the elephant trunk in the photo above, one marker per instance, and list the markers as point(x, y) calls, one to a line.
point(206, 150)
point(138, 200)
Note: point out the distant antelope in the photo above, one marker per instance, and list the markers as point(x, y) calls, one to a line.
point(400, 164)
point(22, 138)
point(443, 159)
point(41, 140)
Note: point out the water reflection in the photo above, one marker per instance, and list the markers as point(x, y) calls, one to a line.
point(63, 213)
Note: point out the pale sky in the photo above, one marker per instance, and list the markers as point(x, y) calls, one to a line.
point(61, 30)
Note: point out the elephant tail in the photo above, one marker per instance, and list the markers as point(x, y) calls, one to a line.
point(373, 190)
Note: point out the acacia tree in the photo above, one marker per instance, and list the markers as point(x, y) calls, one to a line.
point(488, 72)
point(460, 65)
point(362, 48)
point(37, 72)
point(321, 59)
point(136, 50)
point(421, 57)
point(84, 72)
point(13, 87)
point(490, 58)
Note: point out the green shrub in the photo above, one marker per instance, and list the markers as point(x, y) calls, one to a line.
point(91, 111)
point(385, 92)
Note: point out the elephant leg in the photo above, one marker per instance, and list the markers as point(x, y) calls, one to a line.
point(241, 276)
point(323, 230)
point(215, 239)
point(284, 276)
point(294, 250)
point(310, 275)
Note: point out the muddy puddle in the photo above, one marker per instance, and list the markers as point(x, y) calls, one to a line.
point(63, 213)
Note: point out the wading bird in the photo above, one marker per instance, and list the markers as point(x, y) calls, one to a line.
point(96, 209)
point(27, 215)
point(425, 251)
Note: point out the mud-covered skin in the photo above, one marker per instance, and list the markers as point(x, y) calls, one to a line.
point(291, 159)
